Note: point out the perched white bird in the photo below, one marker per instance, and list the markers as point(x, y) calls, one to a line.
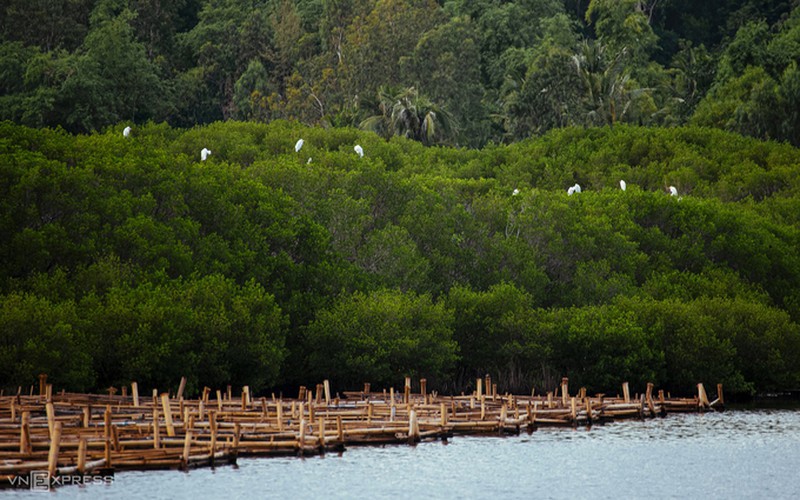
point(571, 190)
point(577, 188)
point(359, 150)
point(204, 154)
point(673, 191)
point(622, 185)
point(126, 132)
point(309, 160)
point(516, 192)
point(298, 146)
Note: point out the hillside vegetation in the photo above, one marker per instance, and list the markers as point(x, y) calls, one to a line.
point(128, 258)
point(456, 72)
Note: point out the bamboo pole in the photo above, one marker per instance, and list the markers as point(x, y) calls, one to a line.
point(701, 396)
point(135, 391)
point(156, 428)
point(51, 418)
point(24, 433)
point(564, 391)
point(82, 456)
point(187, 447)
point(626, 394)
point(107, 434)
point(413, 427)
point(165, 406)
point(212, 421)
point(327, 387)
point(52, 456)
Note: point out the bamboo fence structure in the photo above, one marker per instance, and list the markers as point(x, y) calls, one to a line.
point(68, 434)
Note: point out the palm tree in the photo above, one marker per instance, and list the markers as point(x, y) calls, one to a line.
point(404, 112)
point(609, 90)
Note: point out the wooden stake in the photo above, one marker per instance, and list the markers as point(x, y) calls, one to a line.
point(327, 386)
point(413, 427)
point(82, 456)
point(51, 418)
point(651, 406)
point(187, 446)
point(626, 393)
point(156, 429)
point(165, 406)
point(25, 433)
point(135, 391)
point(52, 456)
point(720, 397)
point(212, 424)
point(246, 391)
point(574, 411)
point(564, 391)
point(42, 384)
point(701, 396)
point(479, 388)
point(302, 435)
point(107, 435)
point(423, 387)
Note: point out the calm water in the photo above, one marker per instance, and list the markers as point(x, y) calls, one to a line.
point(737, 454)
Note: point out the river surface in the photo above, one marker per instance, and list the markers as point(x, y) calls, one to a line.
point(750, 454)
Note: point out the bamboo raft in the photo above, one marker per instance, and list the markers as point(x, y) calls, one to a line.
point(67, 435)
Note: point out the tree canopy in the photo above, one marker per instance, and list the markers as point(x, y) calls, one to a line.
point(129, 258)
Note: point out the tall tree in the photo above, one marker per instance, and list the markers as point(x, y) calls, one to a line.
point(404, 112)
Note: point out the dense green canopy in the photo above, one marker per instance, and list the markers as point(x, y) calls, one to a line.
point(494, 70)
point(128, 258)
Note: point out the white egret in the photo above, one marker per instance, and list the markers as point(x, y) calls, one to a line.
point(309, 160)
point(204, 154)
point(126, 132)
point(673, 191)
point(622, 185)
point(571, 190)
point(516, 192)
point(298, 146)
point(358, 149)
point(577, 188)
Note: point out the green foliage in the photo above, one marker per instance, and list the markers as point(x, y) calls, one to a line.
point(128, 258)
point(504, 70)
point(382, 337)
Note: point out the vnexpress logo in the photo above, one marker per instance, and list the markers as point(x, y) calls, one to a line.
point(39, 480)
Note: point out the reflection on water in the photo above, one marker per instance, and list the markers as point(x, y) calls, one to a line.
point(737, 454)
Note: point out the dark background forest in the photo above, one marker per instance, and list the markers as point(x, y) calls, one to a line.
point(451, 249)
